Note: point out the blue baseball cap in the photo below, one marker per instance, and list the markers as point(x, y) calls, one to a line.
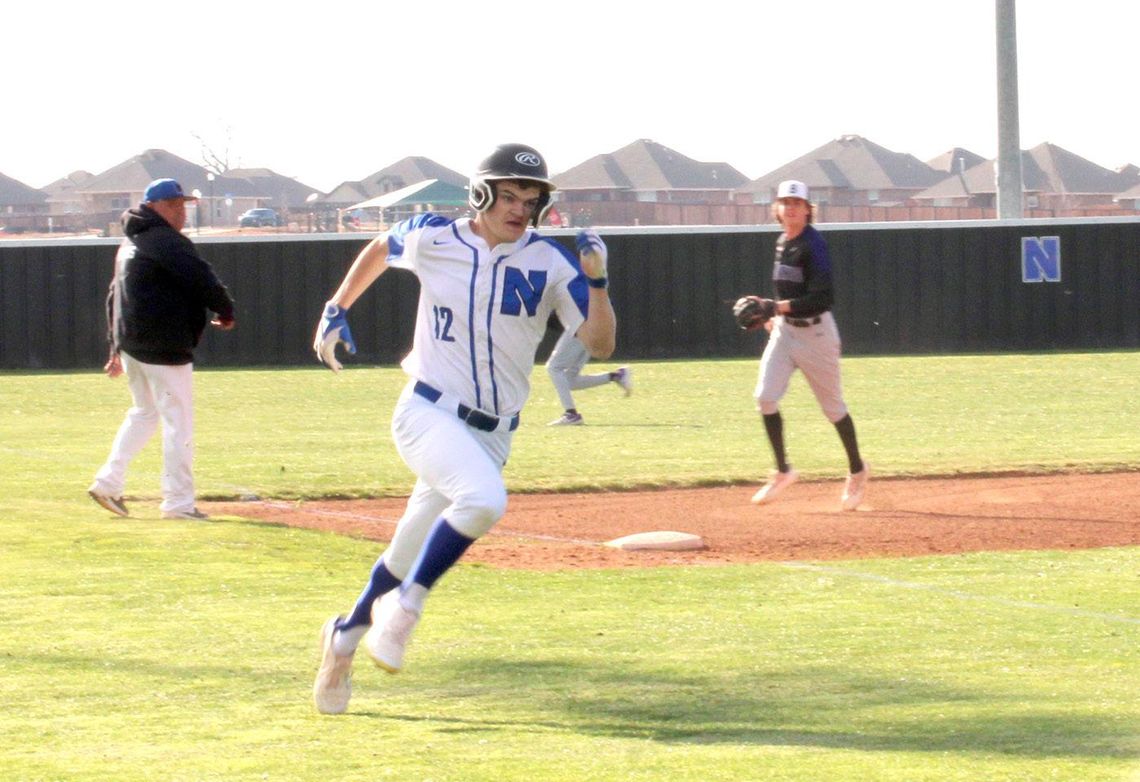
point(164, 189)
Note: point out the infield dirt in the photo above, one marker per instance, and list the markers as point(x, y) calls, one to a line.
point(900, 517)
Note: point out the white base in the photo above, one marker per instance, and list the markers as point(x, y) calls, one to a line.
point(658, 541)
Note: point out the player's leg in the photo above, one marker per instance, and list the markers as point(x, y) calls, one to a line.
point(468, 472)
point(565, 362)
point(462, 464)
point(776, 368)
point(342, 634)
point(137, 428)
point(571, 357)
point(423, 509)
point(820, 364)
point(174, 397)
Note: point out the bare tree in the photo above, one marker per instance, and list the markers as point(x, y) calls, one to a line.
point(215, 160)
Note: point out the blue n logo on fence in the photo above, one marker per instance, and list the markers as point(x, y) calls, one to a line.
point(520, 291)
point(1040, 259)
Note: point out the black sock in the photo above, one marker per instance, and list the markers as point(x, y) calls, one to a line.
point(774, 425)
point(846, 428)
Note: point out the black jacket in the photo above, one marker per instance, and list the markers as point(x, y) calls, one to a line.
point(157, 302)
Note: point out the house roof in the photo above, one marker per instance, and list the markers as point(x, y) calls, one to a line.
point(851, 162)
point(63, 189)
point(414, 169)
point(647, 165)
point(344, 193)
point(1046, 168)
point(404, 172)
point(1129, 194)
point(134, 174)
point(955, 161)
point(284, 191)
point(15, 193)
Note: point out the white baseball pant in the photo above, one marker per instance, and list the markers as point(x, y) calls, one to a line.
point(565, 366)
point(159, 392)
point(459, 476)
point(815, 351)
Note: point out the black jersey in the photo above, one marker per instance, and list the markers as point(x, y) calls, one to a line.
point(802, 273)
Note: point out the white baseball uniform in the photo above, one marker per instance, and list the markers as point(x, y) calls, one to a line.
point(482, 313)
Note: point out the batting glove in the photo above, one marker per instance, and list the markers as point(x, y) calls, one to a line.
point(332, 331)
point(592, 253)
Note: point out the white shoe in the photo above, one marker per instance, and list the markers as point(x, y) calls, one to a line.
point(568, 419)
point(392, 626)
point(776, 484)
point(623, 376)
point(856, 487)
point(333, 686)
point(193, 513)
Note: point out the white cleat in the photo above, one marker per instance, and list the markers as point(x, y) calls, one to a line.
point(392, 626)
point(568, 419)
point(333, 687)
point(775, 485)
point(623, 376)
point(193, 514)
point(856, 487)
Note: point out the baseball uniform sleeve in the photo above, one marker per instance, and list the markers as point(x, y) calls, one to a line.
point(572, 305)
point(403, 239)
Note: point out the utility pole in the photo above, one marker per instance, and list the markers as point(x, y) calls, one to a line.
point(1008, 172)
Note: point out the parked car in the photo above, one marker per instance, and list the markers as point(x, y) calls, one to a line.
point(259, 218)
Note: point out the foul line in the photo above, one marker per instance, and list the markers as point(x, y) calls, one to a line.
point(1078, 612)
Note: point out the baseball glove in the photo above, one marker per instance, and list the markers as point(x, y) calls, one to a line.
point(752, 312)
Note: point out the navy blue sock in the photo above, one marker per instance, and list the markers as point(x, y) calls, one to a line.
point(379, 582)
point(443, 548)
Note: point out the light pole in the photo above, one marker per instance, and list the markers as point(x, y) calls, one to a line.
point(1008, 168)
point(210, 177)
point(309, 199)
point(197, 210)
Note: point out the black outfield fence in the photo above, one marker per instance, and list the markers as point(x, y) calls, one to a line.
point(900, 288)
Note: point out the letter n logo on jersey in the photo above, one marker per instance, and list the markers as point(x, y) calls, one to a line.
point(520, 291)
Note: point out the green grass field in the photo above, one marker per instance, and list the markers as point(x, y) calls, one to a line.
point(142, 649)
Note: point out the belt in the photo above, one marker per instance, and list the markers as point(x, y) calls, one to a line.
point(484, 422)
point(802, 322)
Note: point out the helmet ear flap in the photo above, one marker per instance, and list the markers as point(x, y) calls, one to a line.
point(480, 195)
point(543, 207)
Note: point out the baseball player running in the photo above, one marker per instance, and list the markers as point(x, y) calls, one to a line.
point(488, 285)
point(804, 336)
point(565, 366)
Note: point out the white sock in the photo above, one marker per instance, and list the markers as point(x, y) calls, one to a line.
point(345, 641)
point(413, 597)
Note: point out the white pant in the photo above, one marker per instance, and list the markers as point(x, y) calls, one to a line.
point(814, 350)
point(459, 476)
point(565, 366)
point(159, 392)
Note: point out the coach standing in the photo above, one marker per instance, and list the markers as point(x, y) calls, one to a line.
point(156, 313)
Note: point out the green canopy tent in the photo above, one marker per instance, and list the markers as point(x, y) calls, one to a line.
point(428, 195)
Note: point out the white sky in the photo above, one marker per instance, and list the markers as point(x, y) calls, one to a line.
point(329, 92)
